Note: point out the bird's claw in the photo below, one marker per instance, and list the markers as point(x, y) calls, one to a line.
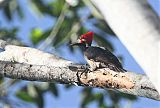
point(86, 68)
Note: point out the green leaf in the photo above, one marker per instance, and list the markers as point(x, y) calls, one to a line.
point(62, 33)
point(127, 96)
point(57, 6)
point(53, 88)
point(20, 12)
point(114, 96)
point(103, 105)
point(23, 95)
point(11, 7)
point(7, 12)
point(67, 86)
point(101, 41)
point(39, 99)
point(36, 35)
point(98, 96)
point(8, 33)
point(82, 30)
point(40, 7)
point(74, 29)
point(105, 27)
point(88, 97)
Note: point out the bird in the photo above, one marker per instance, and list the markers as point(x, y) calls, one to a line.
point(97, 57)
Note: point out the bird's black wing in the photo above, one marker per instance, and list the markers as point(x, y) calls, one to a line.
point(104, 56)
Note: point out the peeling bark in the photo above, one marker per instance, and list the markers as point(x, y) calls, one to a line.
point(107, 79)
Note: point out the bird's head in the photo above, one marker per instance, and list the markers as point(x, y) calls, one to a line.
point(85, 40)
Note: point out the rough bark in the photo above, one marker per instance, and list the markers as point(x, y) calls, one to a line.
point(19, 63)
point(138, 27)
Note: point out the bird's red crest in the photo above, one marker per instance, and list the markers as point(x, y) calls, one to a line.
point(88, 37)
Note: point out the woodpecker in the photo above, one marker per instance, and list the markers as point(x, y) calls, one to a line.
point(97, 57)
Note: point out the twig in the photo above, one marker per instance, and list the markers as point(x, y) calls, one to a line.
point(55, 29)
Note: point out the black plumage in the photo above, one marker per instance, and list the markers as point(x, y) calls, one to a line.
point(103, 57)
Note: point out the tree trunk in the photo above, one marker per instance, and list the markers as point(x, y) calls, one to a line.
point(138, 27)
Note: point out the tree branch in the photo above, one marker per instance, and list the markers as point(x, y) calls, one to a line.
point(69, 73)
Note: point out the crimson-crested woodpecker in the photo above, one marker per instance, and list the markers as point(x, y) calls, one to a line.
point(98, 57)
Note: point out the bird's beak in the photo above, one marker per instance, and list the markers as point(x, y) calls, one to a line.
point(75, 44)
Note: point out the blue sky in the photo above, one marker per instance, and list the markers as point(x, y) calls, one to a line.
point(71, 98)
